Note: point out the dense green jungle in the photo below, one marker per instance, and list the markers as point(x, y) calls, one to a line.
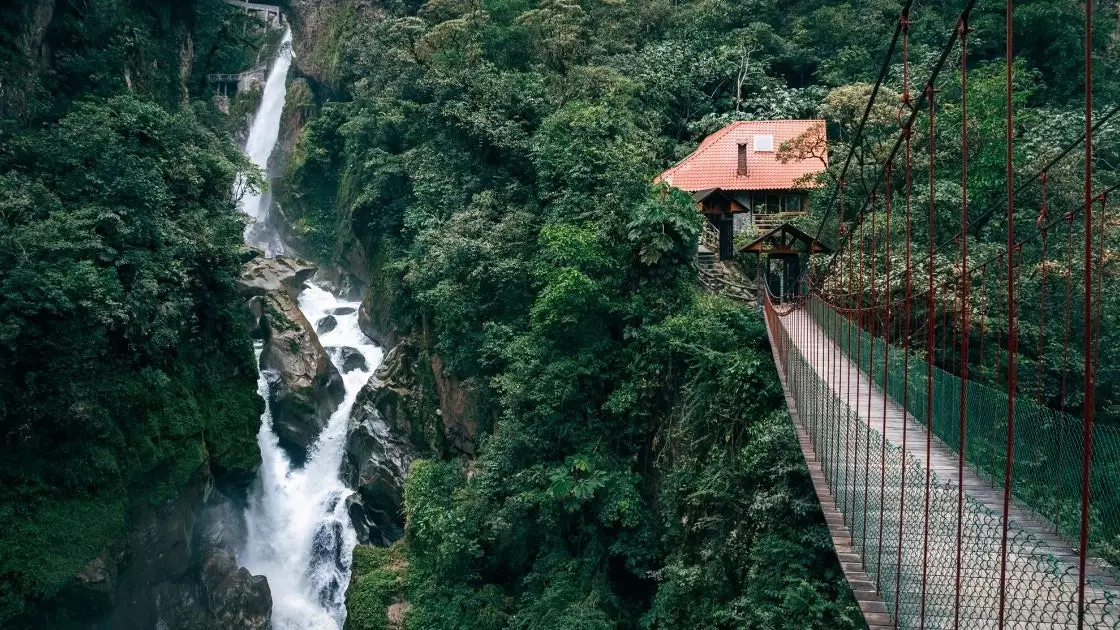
point(484, 167)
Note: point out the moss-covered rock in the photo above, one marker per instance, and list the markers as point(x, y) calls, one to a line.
point(375, 599)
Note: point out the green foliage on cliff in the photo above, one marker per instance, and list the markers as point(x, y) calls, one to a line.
point(126, 367)
point(379, 582)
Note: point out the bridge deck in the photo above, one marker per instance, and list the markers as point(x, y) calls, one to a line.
point(270, 9)
point(863, 587)
point(883, 508)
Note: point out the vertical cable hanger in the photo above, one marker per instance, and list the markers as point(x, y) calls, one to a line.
point(1090, 392)
point(963, 27)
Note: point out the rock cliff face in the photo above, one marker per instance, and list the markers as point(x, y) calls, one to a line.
point(376, 322)
point(304, 387)
point(407, 410)
point(379, 450)
point(456, 410)
point(176, 569)
point(318, 26)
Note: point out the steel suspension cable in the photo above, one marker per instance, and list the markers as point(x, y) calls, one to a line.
point(934, 73)
point(1026, 183)
point(886, 368)
point(859, 359)
point(962, 26)
point(1089, 401)
point(848, 395)
point(1012, 333)
point(930, 317)
point(870, 362)
point(884, 68)
point(905, 19)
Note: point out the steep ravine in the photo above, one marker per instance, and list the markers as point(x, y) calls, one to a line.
point(335, 462)
point(411, 408)
point(319, 437)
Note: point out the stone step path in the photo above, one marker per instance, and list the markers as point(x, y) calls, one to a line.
point(862, 493)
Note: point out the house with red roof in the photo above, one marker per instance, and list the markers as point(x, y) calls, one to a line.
point(753, 173)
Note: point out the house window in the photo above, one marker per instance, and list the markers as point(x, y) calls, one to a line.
point(764, 143)
point(765, 203)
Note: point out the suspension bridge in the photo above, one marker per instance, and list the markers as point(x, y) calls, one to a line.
point(950, 402)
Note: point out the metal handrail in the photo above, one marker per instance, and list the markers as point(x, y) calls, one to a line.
point(230, 78)
point(253, 6)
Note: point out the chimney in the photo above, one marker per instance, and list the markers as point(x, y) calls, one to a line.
point(742, 170)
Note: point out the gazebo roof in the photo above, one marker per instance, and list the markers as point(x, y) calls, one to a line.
point(785, 240)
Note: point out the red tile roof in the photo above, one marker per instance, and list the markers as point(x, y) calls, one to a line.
point(714, 164)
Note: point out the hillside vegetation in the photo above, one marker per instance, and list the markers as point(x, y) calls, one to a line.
point(125, 370)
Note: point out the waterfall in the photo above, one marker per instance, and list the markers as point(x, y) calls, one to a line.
point(299, 533)
point(263, 135)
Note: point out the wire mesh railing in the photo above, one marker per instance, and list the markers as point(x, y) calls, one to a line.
point(931, 569)
point(1048, 444)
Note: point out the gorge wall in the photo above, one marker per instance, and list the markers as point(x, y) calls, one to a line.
point(411, 408)
point(129, 406)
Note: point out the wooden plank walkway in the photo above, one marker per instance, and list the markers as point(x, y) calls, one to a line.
point(1041, 584)
point(863, 588)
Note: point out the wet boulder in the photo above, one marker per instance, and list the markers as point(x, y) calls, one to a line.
point(304, 386)
point(326, 325)
point(351, 359)
point(260, 275)
point(174, 568)
point(378, 454)
point(235, 597)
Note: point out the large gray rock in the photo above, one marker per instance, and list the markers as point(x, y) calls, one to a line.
point(236, 598)
point(350, 358)
point(176, 570)
point(378, 454)
point(304, 387)
point(260, 275)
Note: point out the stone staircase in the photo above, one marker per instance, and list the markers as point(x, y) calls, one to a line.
point(724, 277)
point(706, 259)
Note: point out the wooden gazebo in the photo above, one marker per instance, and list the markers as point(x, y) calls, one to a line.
point(787, 244)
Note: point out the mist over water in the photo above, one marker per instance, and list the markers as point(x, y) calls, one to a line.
point(299, 533)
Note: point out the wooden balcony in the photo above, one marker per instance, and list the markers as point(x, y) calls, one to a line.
point(769, 221)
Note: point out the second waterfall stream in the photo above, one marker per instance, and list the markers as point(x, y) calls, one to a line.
point(299, 534)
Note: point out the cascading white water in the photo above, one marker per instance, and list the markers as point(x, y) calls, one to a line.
point(299, 534)
point(263, 135)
